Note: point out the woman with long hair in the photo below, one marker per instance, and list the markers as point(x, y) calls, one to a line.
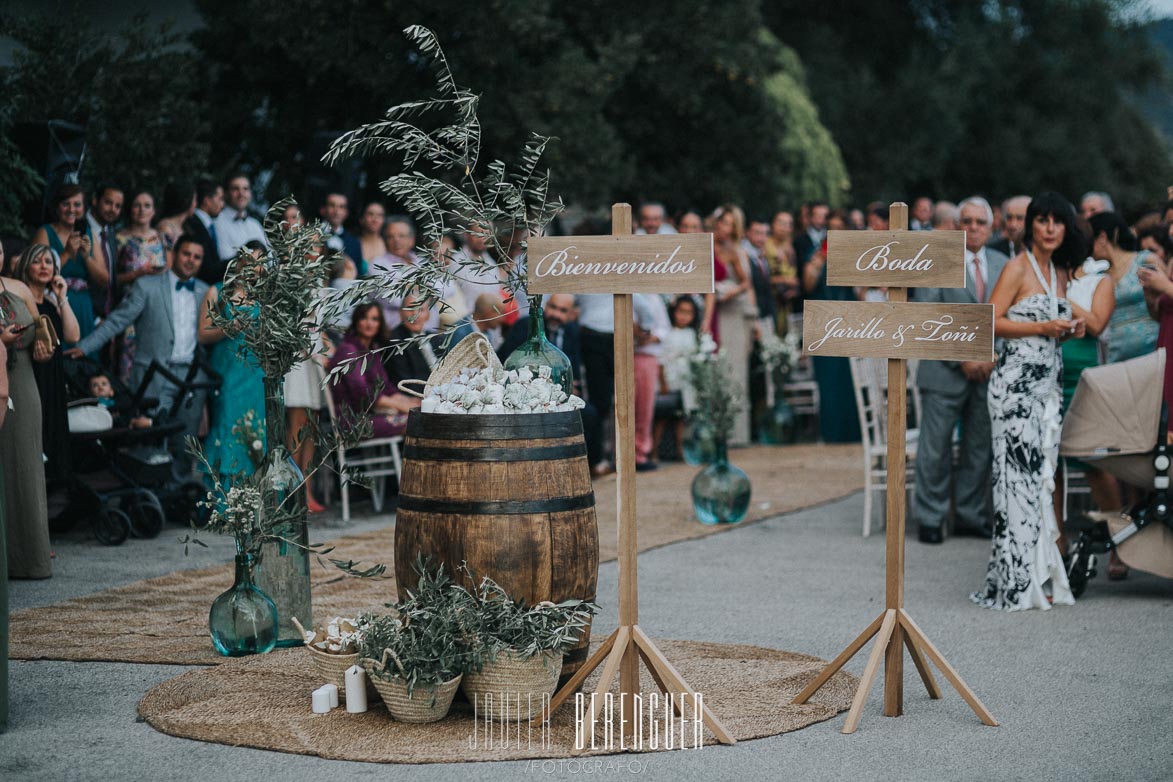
point(364, 389)
point(1032, 315)
point(79, 265)
point(26, 506)
point(731, 313)
point(1131, 332)
point(142, 250)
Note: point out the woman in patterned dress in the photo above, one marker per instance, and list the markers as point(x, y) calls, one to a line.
point(1025, 397)
point(142, 250)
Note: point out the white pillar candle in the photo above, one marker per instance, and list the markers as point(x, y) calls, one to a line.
point(332, 691)
point(321, 701)
point(356, 690)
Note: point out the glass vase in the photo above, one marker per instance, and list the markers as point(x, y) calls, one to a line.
point(538, 351)
point(283, 570)
point(779, 425)
point(721, 491)
point(243, 620)
point(698, 441)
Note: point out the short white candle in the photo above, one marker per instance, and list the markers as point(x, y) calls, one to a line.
point(332, 691)
point(321, 701)
point(356, 690)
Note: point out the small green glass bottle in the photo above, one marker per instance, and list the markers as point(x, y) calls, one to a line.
point(538, 351)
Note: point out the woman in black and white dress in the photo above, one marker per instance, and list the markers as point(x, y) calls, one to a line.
point(1032, 316)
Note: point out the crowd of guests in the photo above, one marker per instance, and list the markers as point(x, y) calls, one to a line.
point(127, 285)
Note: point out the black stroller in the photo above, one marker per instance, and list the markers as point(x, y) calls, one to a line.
point(122, 476)
point(1117, 421)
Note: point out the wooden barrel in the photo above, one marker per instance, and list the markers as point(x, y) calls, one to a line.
point(508, 494)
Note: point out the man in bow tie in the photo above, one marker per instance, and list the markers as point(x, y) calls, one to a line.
point(164, 310)
point(235, 227)
point(953, 391)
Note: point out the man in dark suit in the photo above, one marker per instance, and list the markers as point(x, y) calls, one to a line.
point(1014, 217)
point(416, 361)
point(201, 226)
point(334, 211)
point(164, 310)
point(956, 390)
point(102, 219)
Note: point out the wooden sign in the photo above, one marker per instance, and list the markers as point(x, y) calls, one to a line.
point(954, 332)
point(905, 259)
point(660, 263)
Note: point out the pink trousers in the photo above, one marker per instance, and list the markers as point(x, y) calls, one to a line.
point(647, 377)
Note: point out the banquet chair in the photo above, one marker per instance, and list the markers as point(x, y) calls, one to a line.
point(800, 390)
point(869, 379)
point(377, 458)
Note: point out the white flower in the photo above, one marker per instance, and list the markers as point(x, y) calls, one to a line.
point(257, 445)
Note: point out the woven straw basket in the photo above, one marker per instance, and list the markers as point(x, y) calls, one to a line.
point(420, 706)
point(332, 667)
point(472, 352)
point(517, 686)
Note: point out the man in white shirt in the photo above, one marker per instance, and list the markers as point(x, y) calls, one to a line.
point(952, 391)
point(234, 225)
point(105, 209)
point(653, 219)
point(399, 238)
point(164, 310)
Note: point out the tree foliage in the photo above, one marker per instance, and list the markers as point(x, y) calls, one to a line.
point(132, 90)
point(685, 101)
point(998, 97)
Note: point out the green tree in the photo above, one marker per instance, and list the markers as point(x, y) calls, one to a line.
point(998, 97)
point(133, 91)
point(688, 101)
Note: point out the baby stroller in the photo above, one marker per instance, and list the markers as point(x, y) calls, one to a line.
point(1117, 421)
point(122, 477)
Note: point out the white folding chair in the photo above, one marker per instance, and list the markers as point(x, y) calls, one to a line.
point(376, 458)
point(800, 390)
point(869, 379)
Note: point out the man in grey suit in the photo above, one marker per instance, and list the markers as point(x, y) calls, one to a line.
point(164, 310)
point(953, 391)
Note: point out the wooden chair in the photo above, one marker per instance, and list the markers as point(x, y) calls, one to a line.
point(377, 458)
point(869, 379)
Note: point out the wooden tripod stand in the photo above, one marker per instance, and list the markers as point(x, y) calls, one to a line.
point(894, 627)
point(623, 650)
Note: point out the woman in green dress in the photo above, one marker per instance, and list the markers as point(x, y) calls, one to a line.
point(240, 405)
point(80, 267)
point(26, 508)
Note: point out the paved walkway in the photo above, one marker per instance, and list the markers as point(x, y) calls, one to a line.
point(1083, 692)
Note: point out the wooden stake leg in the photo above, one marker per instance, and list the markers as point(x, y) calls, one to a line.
point(659, 680)
point(610, 669)
point(922, 665)
point(834, 666)
point(579, 677)
point(869, 672)
point(931, 652)
point(673, 678)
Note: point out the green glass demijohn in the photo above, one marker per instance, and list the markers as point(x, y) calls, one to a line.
point(243, 620)
point(283, 571)
point(538, 351)
point(721, 491)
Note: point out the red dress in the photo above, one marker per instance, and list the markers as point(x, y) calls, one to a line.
point(719, 275)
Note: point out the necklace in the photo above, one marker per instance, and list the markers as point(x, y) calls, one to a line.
point(1049, 289)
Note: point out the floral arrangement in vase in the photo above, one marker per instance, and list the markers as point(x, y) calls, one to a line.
point(721, 491)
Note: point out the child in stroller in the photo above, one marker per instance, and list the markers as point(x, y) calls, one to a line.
point(122, 480)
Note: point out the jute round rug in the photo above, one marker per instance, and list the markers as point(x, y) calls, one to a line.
point(164, 620)
point(264, 702)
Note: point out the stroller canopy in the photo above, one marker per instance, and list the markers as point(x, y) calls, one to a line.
point(1115, 416)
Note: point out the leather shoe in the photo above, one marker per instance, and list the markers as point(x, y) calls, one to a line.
point(930, 535)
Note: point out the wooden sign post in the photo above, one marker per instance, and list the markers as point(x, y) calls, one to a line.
point(897, 330)
point(622, 264)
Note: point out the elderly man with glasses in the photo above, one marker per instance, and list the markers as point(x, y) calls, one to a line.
point(953, 391)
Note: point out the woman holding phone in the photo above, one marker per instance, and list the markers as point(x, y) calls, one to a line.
point(68, 236)
point(1131, 332)
point(1032, 315)
point(141, 251)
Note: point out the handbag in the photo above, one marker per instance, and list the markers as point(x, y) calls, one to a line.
point(45, 334)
